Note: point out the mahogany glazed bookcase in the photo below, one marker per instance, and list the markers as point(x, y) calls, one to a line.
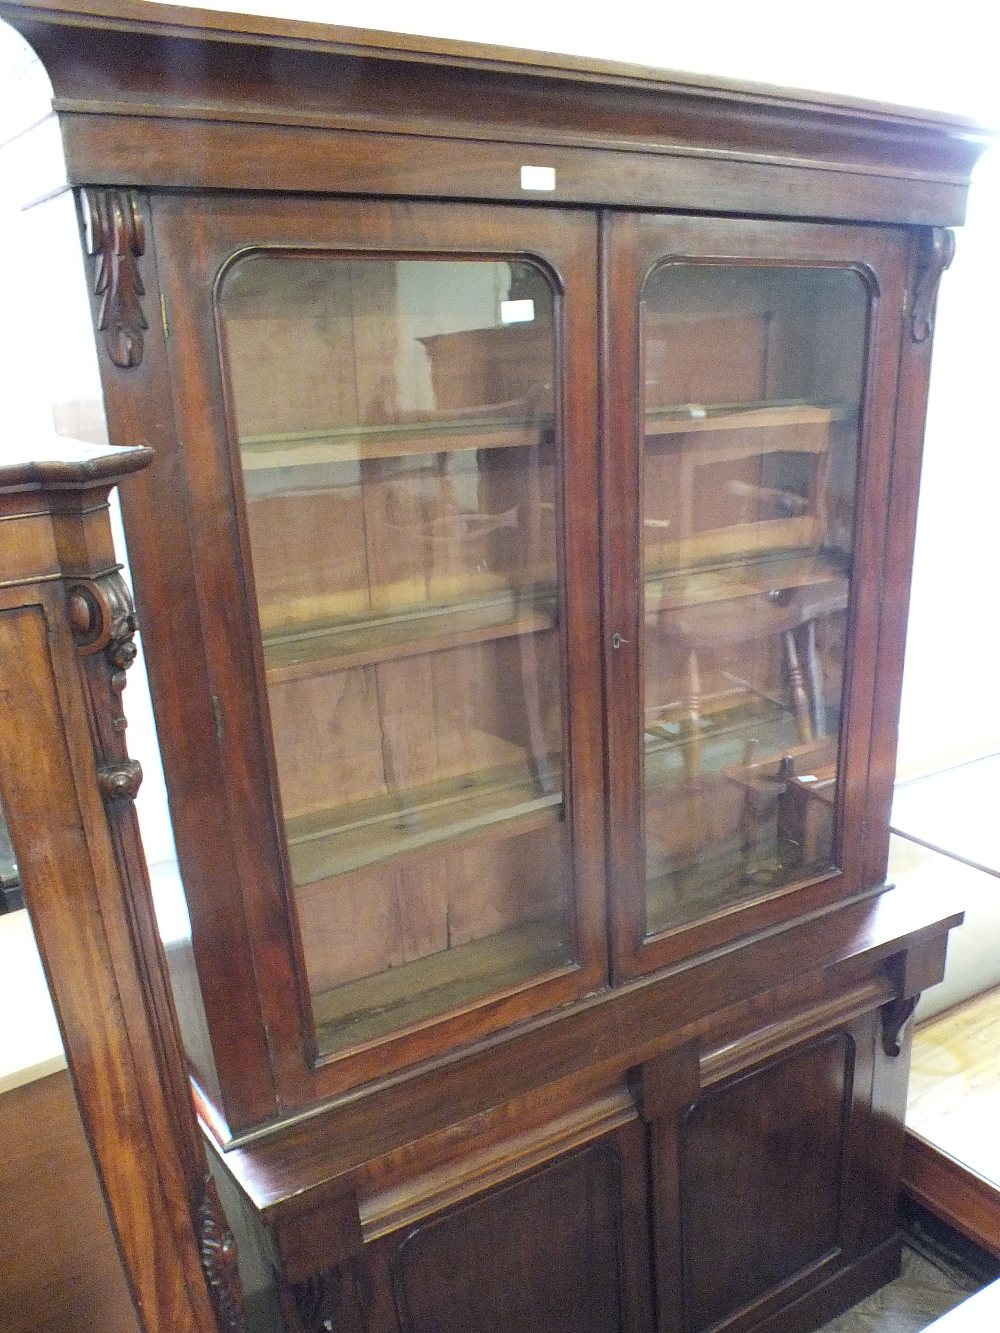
point(522, 569)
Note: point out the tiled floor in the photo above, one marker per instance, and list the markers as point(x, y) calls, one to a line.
point(922, 1293)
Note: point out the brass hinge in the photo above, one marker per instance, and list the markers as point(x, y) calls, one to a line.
point(163, 316)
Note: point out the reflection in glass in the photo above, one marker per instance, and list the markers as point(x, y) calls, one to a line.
point(398, 447)
point(11, 895)
point(752, 385)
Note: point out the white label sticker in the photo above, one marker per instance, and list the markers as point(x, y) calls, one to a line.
point(538, 178)
point(517, 312)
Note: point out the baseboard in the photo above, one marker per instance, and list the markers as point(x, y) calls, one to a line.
point(960, 1197)
point(839, 1292)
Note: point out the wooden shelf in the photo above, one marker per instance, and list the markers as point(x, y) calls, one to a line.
point(701, 888)
point(364, 1010)
point(434, 435)
point(723, 742)
point(693, 417)
point(496, 803)
point(364, 640)
point(729, 580)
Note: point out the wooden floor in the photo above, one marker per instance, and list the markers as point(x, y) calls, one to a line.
point(955, 1084)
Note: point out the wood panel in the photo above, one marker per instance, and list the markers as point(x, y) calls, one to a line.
point(482, 1266)
point(953, 1191)
point(59, 1266)
point(762, 1166)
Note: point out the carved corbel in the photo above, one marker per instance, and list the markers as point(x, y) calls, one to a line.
point(937, 249)
point(895, 1016)
point(102, 619)
point(115, 237)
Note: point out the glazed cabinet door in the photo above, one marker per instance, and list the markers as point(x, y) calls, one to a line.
point(751, 376)
point(390, 488)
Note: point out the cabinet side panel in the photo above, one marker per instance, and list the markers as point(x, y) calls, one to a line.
point(761, 1173)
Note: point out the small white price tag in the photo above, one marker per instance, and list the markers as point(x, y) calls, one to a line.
point(517, 312)
point(538, 178)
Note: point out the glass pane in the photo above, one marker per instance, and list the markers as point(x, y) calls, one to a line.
point(753, 382)
point(11, 895)
point(397, 438)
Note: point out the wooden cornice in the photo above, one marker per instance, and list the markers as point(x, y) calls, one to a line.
point(173, 83)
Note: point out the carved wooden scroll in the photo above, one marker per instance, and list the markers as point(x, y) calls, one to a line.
point(895, 1016)
point(115, 237)
point(937, 249)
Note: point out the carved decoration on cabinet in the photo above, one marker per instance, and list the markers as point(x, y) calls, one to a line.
point(895, 1016)
point(114, 234)
point(937, 250)
point(102, 620)
point(218, 1258)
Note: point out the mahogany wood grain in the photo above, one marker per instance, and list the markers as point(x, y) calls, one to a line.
point(607, 1035)
point(965, 1200)
point(930, 253)
point(586, 1205)
point(139, 407)
point(634, 243)
point(763, 1173)
point(189, 254)
point(295, 83)
point(65, 642)
point(618, 1142)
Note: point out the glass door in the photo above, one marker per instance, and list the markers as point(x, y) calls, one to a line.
point(746, 425)
point(414, 481)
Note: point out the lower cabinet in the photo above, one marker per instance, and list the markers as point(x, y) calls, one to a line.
point(743, 1180)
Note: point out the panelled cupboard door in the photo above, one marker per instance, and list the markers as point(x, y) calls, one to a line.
point(562, 1249)
point(750, 384)
point(390, 488)
point(779, 1180)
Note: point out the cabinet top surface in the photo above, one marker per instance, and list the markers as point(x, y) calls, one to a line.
point(235, 28)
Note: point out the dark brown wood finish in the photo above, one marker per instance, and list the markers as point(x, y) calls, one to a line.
point(66, 625)
point(576, 1282)
point(636, 244)
point(963, 1199)
point(192, 250)
point(202, 81)
point(619, 1142)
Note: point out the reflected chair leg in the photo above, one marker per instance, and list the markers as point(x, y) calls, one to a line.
point(750, 807)
point(814, 676)
point(797, 687)
point(692, 724)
